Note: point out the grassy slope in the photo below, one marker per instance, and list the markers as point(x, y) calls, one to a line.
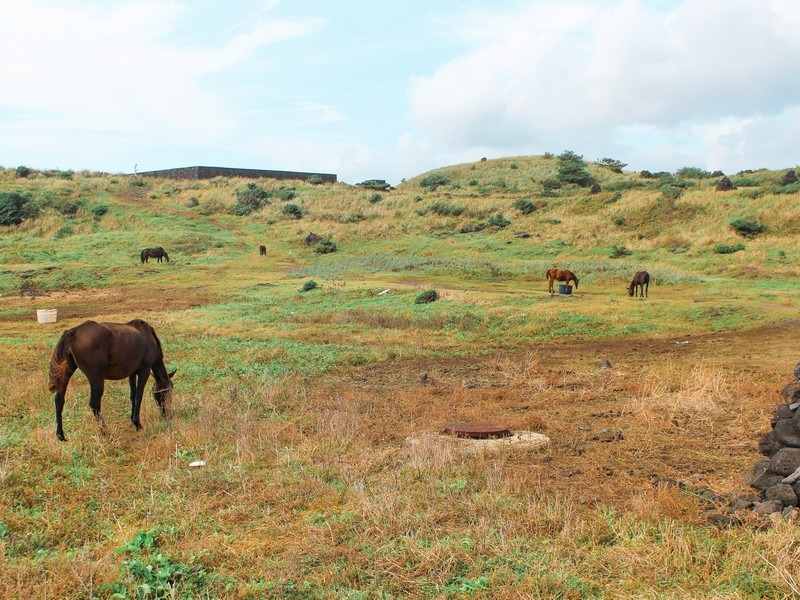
point(249, 346)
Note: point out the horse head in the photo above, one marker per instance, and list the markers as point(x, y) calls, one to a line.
point(163, 395)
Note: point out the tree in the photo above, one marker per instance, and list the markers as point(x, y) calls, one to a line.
point(572, 169)
point(613, 164)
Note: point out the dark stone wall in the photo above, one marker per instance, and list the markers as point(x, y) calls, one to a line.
point(210, 172)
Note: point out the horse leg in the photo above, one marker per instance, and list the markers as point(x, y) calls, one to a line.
point(96, 388)
point(59, 399)
point(137, 392)
point(646, 288)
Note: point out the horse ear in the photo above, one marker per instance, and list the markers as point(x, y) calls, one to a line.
point(171, 374)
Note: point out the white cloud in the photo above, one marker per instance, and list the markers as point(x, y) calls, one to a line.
point(577, 74)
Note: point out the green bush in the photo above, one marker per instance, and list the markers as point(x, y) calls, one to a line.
point(572, 169)
point(498, 220)
point(192, 202)
point(748, 229)
point(325, 246)
point(23, 171)
point(744, 181)
point(376, 197)
point(445, 209)
point(692, 173)
point(69, 208)
point(434, 181)
point(309, 285)
point(619, 252)
point(426, 297)
point(315, 180)
point(15, 207)
point(728, 249)
point(671, 192)
point(293, 211)
point(287, 194)
point(250, 199)
point(375, 184)
point(524, 206)
point(99, 210)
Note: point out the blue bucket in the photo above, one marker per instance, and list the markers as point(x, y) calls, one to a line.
point(563, 288)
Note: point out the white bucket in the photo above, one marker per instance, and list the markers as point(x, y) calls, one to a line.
point(47, 315)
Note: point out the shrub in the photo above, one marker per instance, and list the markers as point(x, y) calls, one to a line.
point(692, 173)
point(572, 169)
point(744, 181)
point(426, 297)
point(549, 186)
point(619, 220)
point(287, 194)
point(445, 209)
point(69, 208)
point(15, 207)
point(498, 221)
point(250, 199)
point(23, 171)
point(315, 180)
point(99, 210)
point(293, 211)
point(325, 246)
point(728, 249)
point(671, 192)
point(65, 174)
point(375, 184)
point(609, 163)
point(375, 197)
point(192, 202)
point(524, 206)
point(619, 252)
point(434, 181)
point(748, 229)
point(309, 285)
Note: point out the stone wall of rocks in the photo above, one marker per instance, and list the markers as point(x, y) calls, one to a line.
point(777, 477)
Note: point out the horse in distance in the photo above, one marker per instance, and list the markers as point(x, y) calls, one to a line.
point(262, 250)
point(562, 275)
point(640, 284)
point(157, 252)
point(110, 351)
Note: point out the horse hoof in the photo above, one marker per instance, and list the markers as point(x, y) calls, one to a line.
point(61, 437)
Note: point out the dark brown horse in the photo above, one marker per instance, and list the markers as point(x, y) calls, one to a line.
point(109, 351)
point(554, 275)
point(640, 284)
point(149, 253)
point(262, 250)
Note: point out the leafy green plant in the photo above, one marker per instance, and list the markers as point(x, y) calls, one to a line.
point(315, 180)
point(445, 209)
point(671, 192)
point(99, 210)
point(728, 248)
point(376, 197)
point(572, 169)
point(434, 181)
point(498, 220)
point(692, 173)
point(293, 211)
point(426, 297)
point(524, 206)
point(748, 229)
point(375, 184)
point(192, 202)
point(23, 171)
point(250, 199)
point(325, 246)
point(610, 163)
point(619, 252)
point(287, 194)
point(309, 285)
point(15, 207)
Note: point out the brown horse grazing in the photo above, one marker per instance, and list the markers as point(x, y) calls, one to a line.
point(262, 250)
point(560, 275)
point(149, 253)
point(640, 284)
point(109, 351)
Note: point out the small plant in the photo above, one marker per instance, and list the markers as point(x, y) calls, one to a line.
point(524, 206)
point(619, 252)
point(498, 220)
point(325, 246)
point(192, 202)
point(99, 210)
point(315, 180)
point(309, 285)
point(610, 163)
point(375, 197)
point(375, 184)
point(692, 173)
point(287, 194)
point(434, 181)
point(250, 199)
point(23, 171)
point(445, 209)
point(728, 249)
point(619, 221)
point(293, 211)
point(15, 207)
point(671, 193)
point(69, 208)
point(65, 174)
point(426, 297)
point(748, 229)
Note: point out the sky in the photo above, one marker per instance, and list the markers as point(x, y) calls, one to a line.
point(371, 89)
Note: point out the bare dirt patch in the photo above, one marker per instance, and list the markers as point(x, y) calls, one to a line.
point(687, 407)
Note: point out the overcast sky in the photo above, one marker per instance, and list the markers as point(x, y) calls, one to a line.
point(371, 89)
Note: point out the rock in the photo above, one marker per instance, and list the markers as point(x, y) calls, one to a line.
point(609, 435)
point(786, 433)
point(782, 411)
point(311, 239)
point(785, 461)
point(768, 445)
point(604, 364)
point(743, 502)
point(720, 520)
point(725, 185)
point(797, 371)
point(759, 476)
point(782, 492)
point(709, 495)
point(768, 507)
point(668, 482)
point(468, 383)
point(522, 234)
point(422, 377)
point(793, 478)
point(789, 178)
point(791, 392)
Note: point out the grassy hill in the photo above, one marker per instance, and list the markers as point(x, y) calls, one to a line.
point(300, 398)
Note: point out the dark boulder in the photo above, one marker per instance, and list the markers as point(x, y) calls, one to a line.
point(786, 433)
point(782, 492)
point(768, 445)
point(785, 462)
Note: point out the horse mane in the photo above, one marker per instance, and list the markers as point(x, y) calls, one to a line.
point(58, 361)
point(145, 326)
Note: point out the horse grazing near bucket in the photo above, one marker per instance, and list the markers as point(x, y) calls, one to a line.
point(640, 284)
point(262, 250)
point(110, 351)
point(157, 252)
point(554, 275)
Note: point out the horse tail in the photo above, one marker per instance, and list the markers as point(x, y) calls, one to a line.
point(58, 362)
point(141, 255)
